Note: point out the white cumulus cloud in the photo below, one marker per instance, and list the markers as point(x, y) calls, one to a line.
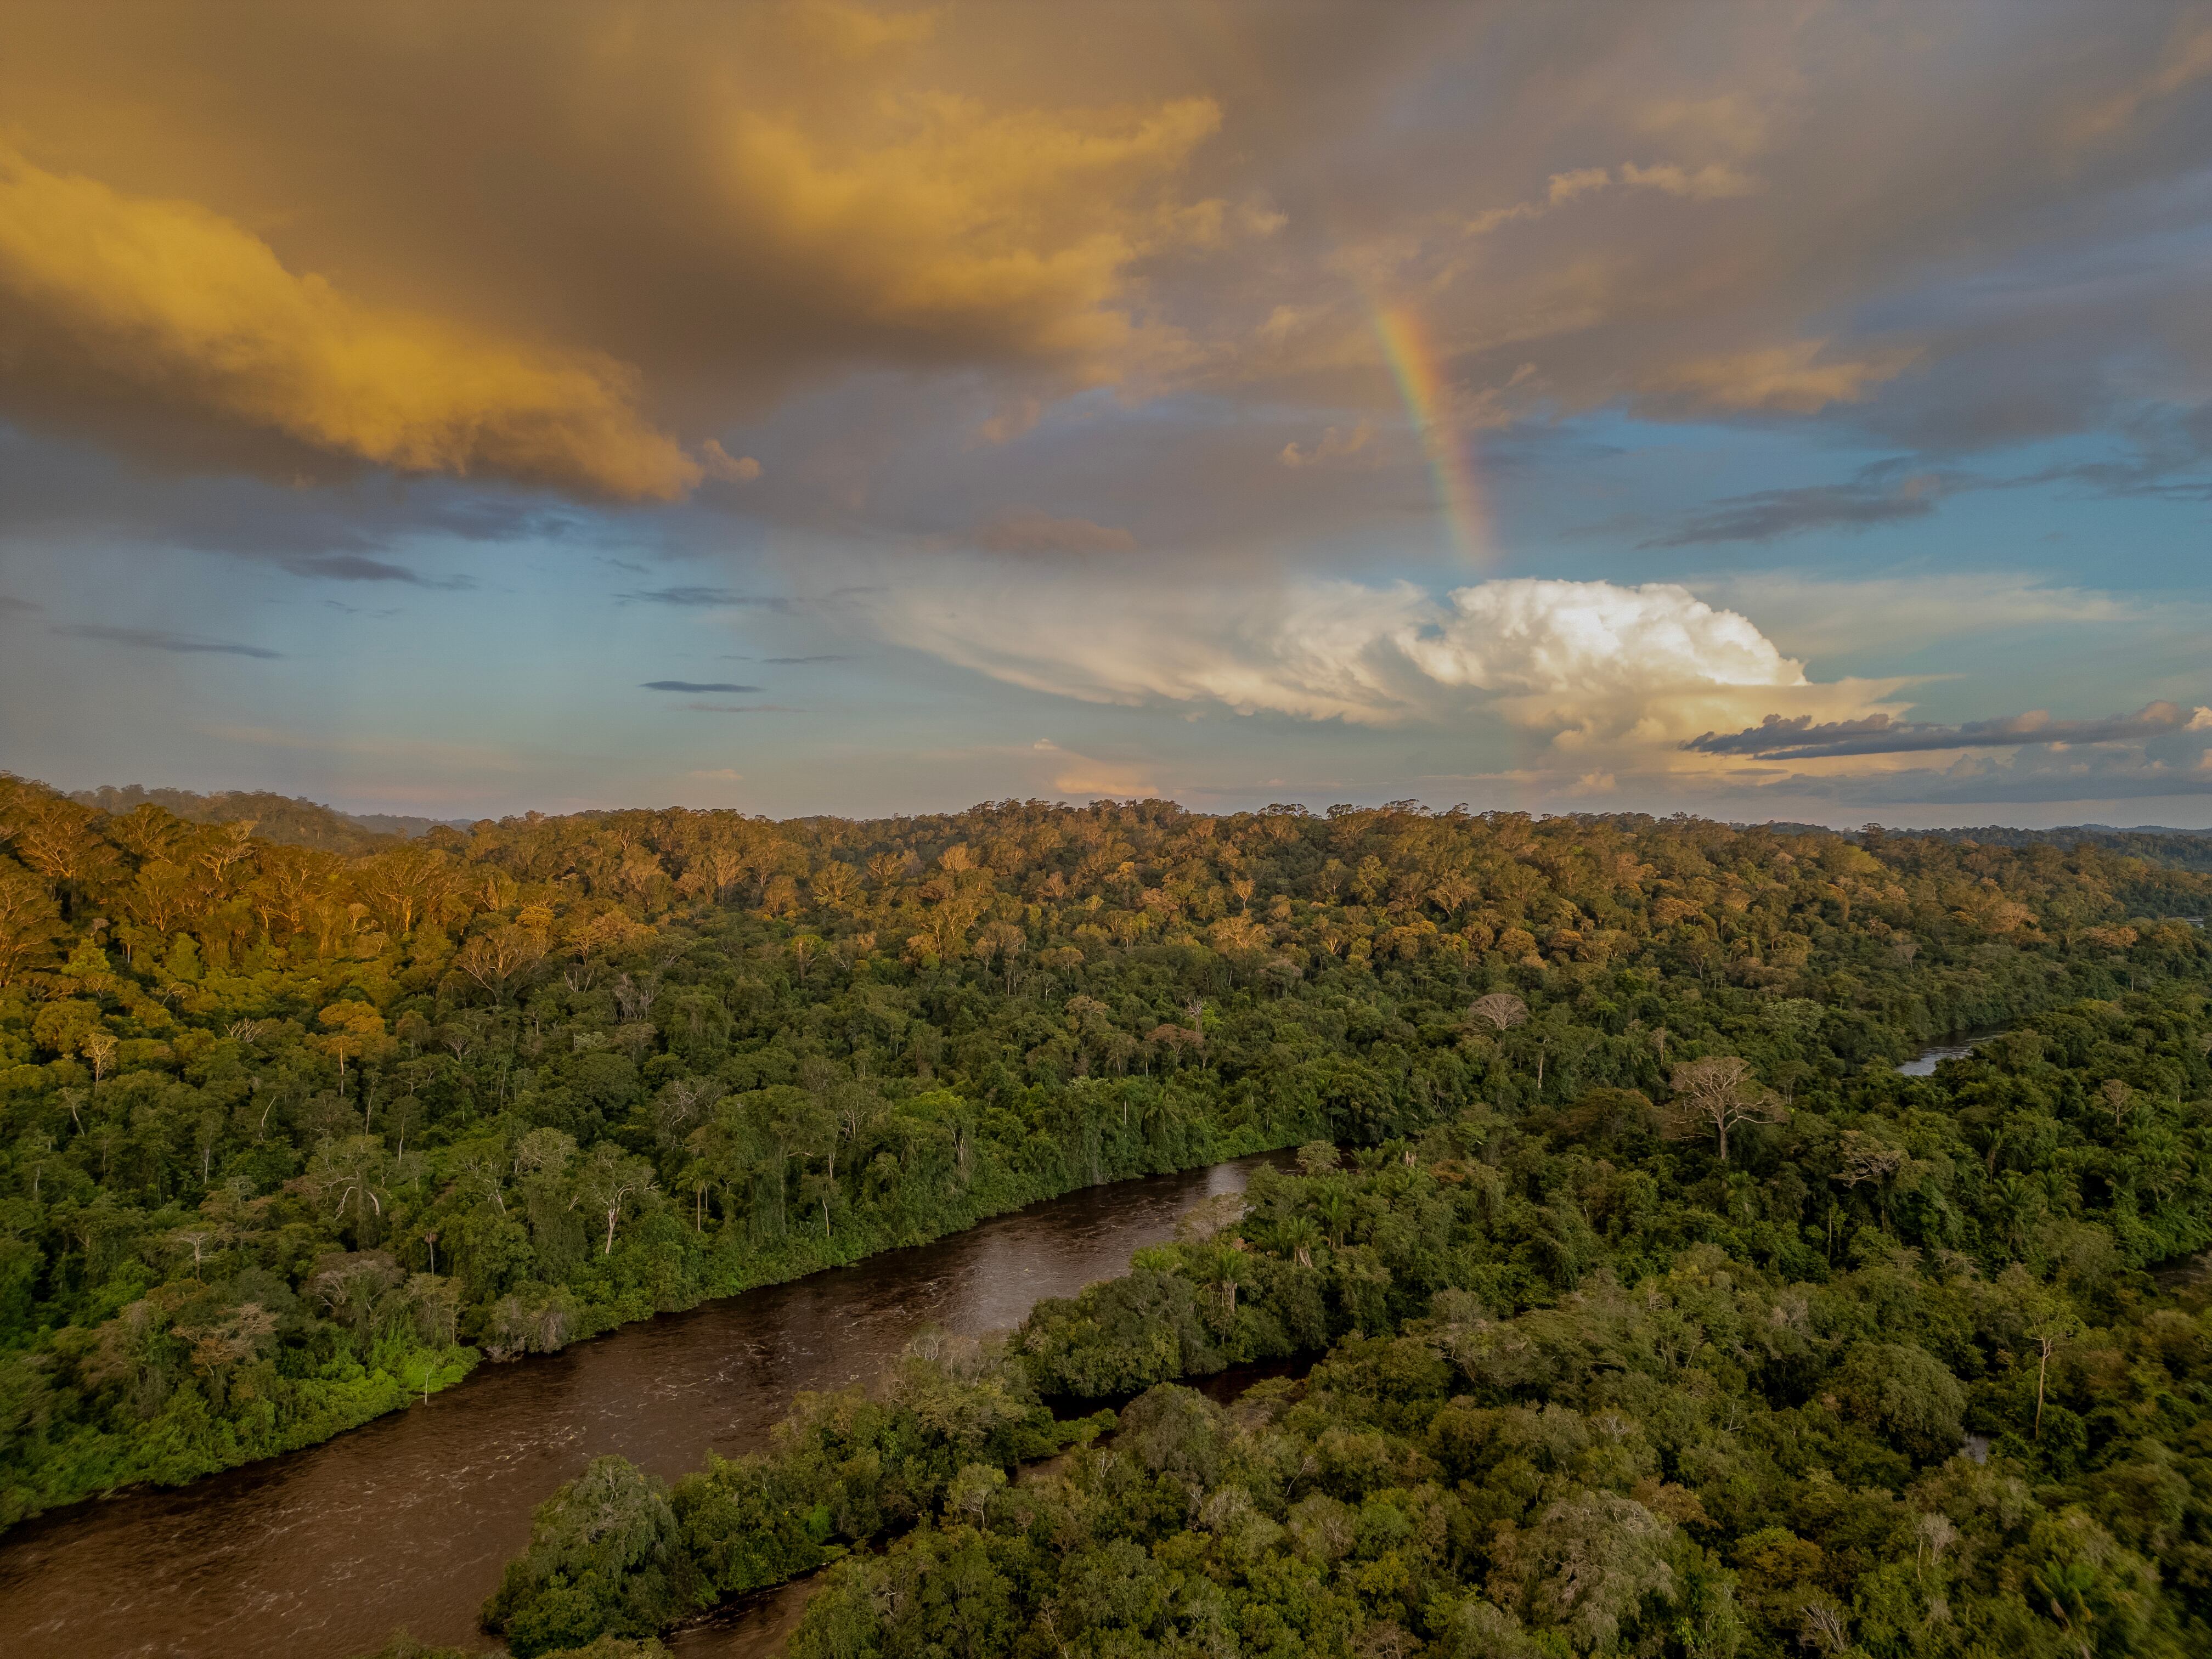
point(1583, 663)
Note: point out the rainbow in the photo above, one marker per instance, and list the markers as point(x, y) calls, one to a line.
point(1419, 372)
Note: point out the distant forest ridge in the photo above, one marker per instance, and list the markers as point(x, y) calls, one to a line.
point(2186, 849)
point(287, 820)
point(294, 821)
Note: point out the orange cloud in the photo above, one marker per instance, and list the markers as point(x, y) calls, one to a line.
point(1022, 530)
point(951, 218)
point(2187, 59)
point(695, 213)
point(1072, 773)
point(1787, 377)
point(184, 306)
point(1334, 445)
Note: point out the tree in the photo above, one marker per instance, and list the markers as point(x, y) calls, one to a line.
point(1210, 1217)
point(29, 921)
point(436, 1301)
point(603, 1554)
point(400, 885)
point(238, 1335)
point(357, 1029)
point(496, 957)
point(1318, 1157)
point(610, 1181)
point(1001, 942)
point(352, 1287)
point(680, 1107)
point(99, 1048)
point(1905, 1392)
point(1593, 1556)
point(1501, 1011)
point(1712, 1097)
point(200, 1240)
point(854, 1106)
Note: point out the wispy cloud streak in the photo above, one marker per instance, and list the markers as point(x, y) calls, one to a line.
point(160, 639)
point(1779, 739)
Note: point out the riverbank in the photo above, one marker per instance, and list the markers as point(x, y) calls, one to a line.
point(195, 1442)
point(759, 1624)
point(408, 1520)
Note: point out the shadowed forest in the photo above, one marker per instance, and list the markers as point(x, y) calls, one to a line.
point(294, 1134)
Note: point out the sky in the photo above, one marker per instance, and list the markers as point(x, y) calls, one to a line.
point(1799, 411)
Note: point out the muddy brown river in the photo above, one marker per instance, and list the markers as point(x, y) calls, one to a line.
point(320, 1554)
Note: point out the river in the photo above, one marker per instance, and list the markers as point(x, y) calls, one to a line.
point(320, 1553)
point(1924, 1063)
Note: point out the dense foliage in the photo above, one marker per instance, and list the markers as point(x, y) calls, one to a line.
point(613, 1552)
point(1891, 1382)
point(2187, 849)
point(285, 820)
point(289, 1134)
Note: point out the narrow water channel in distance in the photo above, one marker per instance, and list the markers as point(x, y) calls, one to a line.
point(1924, 1063)
point(319, 1554)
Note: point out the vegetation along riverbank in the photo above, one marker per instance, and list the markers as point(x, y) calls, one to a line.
point(292, 1135)
point(1889, 1379)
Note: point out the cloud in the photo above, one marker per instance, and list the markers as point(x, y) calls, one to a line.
point(2185, 60)
point(2017, 777)
point(754, 202)
point(717, 774)
point(166, 301)
point(820, 656)
point(10, 602)
point(694, 685)
point(358, 568)
point(1580, 663)
point(1891, 613)
point(706, 598)
point(738, 709)
point(428, 751)
point(702, 213)
point(1883, 493)
point(160, 639)
point(1088, 778)
point(1795, 739)
point(1714, 181)
point(1016, 419)
point(1024, 530)
point(718, 463)
point(1334, 445)
point(1797, 377)
point(2167, 452)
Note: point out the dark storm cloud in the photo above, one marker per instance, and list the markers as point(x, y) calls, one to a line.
point(10, 602)
point(1776, 739)
point(159, 639)
point(694, 685)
